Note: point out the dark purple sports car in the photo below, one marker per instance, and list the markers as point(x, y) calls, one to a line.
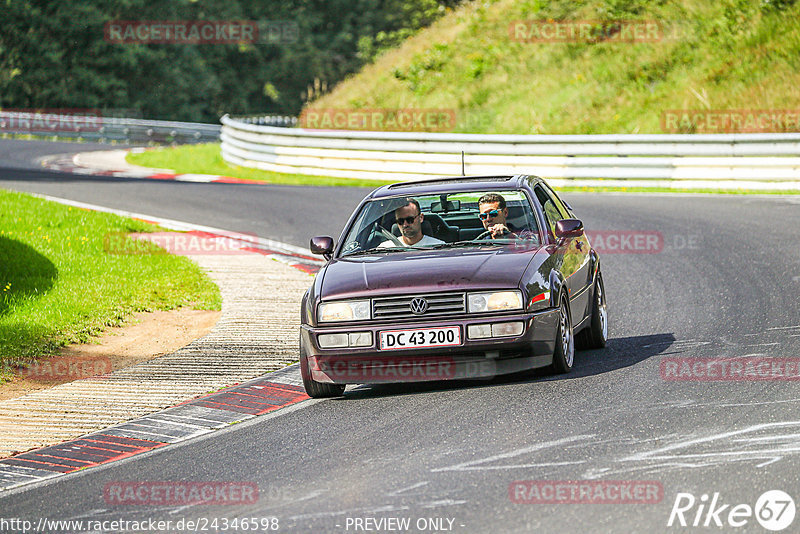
point(452, 278)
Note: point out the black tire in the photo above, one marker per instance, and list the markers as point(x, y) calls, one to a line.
point(596, 334)
point(564, 353)
point(314, 389)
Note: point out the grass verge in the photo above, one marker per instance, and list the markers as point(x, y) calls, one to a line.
point(207, 159)
point(58, 285)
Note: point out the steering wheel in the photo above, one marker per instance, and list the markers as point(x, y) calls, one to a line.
point(488, 232)
point(380, 229)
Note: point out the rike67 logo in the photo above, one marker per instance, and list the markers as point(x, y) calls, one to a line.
point(774, 510)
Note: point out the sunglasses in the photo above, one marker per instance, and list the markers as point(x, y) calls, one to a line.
point(491, 213)
point(407, 220)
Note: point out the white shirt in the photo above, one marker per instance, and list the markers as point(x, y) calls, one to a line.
point(426, 241)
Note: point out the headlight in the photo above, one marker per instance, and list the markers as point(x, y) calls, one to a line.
point(348, 310)
point(491, 301)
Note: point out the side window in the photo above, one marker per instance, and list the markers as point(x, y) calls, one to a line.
point(551, 213)
point(565, 212)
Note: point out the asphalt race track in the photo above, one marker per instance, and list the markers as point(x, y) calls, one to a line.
point(724, 282)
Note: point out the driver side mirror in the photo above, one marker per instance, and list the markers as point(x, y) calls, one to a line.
point(569, 228)
point(322, 245)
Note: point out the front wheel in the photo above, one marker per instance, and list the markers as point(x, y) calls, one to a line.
point(596, 335)
point(564, 354)
point(314, 389)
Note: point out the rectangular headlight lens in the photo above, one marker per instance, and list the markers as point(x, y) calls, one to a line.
point(479, 331)
point(489, 301)
point(332, 341)
point(360, 339)
point(346, 310)
point(507, 329)
point(343, 339)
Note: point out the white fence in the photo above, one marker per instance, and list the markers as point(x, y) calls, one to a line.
point(748, 161)
point(90, 126)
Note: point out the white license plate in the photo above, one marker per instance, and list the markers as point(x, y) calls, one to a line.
point(420, 338)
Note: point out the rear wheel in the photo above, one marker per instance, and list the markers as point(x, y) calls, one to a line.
point(564, 354)
point(316, 389)
point(596, 334)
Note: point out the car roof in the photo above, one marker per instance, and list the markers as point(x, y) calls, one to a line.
point(454, 184)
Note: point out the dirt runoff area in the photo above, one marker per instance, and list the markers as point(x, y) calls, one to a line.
point(147, 335)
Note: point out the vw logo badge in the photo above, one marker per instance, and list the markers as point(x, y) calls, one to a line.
point(419, 305)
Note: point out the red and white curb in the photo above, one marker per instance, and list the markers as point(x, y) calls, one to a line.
point(193, 418)
point(69, 163)
point(199, 239)
point(189, 419)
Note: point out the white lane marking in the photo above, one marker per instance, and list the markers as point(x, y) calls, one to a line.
point(199, 178)
point(771, 461)
point(662, 453)
point(784, 327)
point(413, 486)
point(183, 226)
point(180, 508)
point(591, 474)
point(312, 495)
point(443, 502)
point(762, 439)
point(475, 465)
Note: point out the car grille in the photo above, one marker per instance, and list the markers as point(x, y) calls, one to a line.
point(400, 307)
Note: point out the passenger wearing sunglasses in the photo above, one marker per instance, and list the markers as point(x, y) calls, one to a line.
point(409, 219)
point(493, 213)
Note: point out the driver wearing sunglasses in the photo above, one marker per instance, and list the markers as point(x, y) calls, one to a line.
point(493, 213)
point(409, 219)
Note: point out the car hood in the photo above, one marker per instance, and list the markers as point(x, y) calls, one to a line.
point(424, 272)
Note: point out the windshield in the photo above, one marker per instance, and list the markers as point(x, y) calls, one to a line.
point(447, 220)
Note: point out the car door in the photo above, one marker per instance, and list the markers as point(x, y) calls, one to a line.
point(573, 253)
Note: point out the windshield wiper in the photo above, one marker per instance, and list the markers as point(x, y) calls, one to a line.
point(382, 249)
point(489, 242)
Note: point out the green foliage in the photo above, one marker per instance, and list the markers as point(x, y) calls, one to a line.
point(424, 68)
point(724, 55)
point(53, 54)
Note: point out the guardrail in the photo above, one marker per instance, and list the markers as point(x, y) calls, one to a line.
point(750, 161)
point(95, 127)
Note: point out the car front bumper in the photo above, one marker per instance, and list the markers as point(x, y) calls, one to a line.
point(471, 359)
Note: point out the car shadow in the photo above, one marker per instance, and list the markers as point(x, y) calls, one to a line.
point(619, 353)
